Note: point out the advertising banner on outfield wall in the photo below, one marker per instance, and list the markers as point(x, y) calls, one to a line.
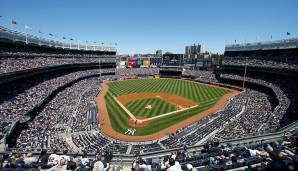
point(146, 62)
point(139, 63)
point(132, 63)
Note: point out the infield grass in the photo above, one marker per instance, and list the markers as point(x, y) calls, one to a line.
point(137, 107)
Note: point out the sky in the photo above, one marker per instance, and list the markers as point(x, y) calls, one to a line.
point(144, 26)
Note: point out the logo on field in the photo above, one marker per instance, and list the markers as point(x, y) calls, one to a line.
point(130, 131)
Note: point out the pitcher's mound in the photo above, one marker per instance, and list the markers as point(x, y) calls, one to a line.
point(139, 123)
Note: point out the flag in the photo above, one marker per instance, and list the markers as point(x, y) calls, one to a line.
point(39, 31)
point(0, 16)
point(258, 37)
point(235, 41)
point(245, 39)
point(27, 27)
point(288, 33)
point(71, 39)
point(63, 38)
point(115, 43)
point(95, 42)
point(51, 34)
point(13, 22)
point(102, 43)
point(271, 36)
point(86, 41)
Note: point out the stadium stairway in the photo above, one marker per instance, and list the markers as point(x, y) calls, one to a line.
point(69, 138)
point(84, 132)
point(129, 149)
point(162, 146)
point(71, 144)
point(49, 142)
point(2, 144)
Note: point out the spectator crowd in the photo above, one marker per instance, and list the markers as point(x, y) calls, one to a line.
point(280, 155)
point(250, 62)
point(17, 64)
point(18, 99)
point(57, 160)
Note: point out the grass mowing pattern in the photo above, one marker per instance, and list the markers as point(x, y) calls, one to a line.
point(137, 107)
point(205, 96)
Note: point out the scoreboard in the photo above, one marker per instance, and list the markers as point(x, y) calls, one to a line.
point(172, 59)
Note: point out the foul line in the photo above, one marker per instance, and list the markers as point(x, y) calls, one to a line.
point(169, 113)
point(124, 108)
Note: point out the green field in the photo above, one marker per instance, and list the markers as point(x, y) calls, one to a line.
point(203, 95)
point(137, 107)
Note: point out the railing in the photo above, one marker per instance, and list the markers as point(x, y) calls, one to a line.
point(291, 126)
point(117, 167)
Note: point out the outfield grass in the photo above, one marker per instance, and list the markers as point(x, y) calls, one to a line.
point(205, 96)
point(137, 107)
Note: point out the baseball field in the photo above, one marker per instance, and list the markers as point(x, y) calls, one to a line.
point(145, 107)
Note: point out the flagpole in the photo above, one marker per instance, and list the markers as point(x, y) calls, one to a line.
point(12, 29)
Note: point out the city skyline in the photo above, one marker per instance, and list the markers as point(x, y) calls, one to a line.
point(146, 26)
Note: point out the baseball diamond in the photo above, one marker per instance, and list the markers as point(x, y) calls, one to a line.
point(173, 104)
